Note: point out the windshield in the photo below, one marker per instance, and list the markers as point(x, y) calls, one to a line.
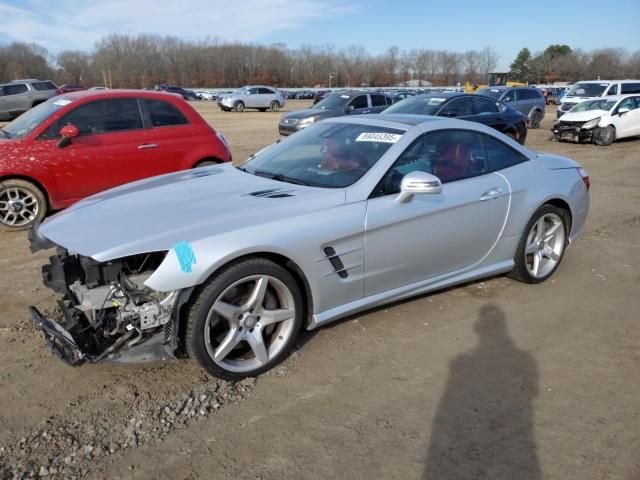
point(28, 121)
point(587, 90)
point(490, 92)
point(603, 104)
point(240, 91)
point(333, 101)
point(330, 155)
point(419, 105)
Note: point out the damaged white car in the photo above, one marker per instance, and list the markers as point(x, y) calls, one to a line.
point(226, 264)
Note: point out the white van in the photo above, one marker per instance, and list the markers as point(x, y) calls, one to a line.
point(592, 89)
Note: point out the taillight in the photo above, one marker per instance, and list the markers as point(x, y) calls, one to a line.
point(585, 177)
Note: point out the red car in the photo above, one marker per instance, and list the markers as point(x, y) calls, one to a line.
point(81, 143)
point(68, 88)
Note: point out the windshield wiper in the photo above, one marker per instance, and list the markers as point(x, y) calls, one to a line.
point(6, 134)
point(283, 178)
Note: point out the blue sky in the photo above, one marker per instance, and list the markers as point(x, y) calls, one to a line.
point(375, 24)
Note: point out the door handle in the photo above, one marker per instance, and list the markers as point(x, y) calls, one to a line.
point(491, 194)
point(147, 146)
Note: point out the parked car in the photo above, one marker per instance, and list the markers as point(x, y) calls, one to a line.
point(231, 263)
point(593, 89)
point(321, 95)
point(69, 87)
point(398, 96)
point(334, 105)
point(527, 100)
point(601, 121)
point(258, 97)
point(20, 95)
point(184, 93)
point(471, 107)
point(81, 143)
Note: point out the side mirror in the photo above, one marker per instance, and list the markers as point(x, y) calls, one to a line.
point(350, 109)
point(449, 114)
point(506, 99)
point(623, 110)
point(66, 134)
point(418, 182)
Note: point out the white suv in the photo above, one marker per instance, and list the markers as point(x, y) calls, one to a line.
point(592, 89)
point(258, 96)
point(20, 95)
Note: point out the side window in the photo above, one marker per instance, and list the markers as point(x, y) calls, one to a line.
point(378, 101)
point(266, 91)
point(626, 103)
point(254, 91)
point(163, 114)
point(483, 106)
point(509, 96)
point(450, 155)
point(613, 90)
point(43, 86)
point(500, 155)
point(637, 99)
point(459, 107)
point(630, 88)
point(15, 89)
point(102, 116)
point(359, 102)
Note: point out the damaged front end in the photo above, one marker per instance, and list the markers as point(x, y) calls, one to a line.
point(108, 313)
point(578, 132)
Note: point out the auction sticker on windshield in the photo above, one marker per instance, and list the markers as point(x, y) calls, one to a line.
point(378, 137)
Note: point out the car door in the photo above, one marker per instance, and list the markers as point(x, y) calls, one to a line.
point(357, 105)
point(434, 235)
point(522, 102)
point(17, 98)
point(487, 112)
point(266, 96)
point(253, 98)
point(627, 124)
point(168, 133)
point(109, 151)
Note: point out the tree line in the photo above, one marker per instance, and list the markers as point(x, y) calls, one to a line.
point(144, 61)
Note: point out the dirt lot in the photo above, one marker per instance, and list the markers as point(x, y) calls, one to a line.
point(493, 380)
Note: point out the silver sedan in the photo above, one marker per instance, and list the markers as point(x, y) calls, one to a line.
point(227, 264)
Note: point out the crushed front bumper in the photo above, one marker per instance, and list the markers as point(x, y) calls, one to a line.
point(573, 134)
point(59, 339)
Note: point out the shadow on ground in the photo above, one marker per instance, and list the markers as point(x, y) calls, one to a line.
point(483, 427)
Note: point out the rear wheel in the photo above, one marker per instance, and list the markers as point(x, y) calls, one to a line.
point(238, 107)
point(245, 320)
point(542, 245)
point(21, 204)
point(536, 119)
point(274, 106)
point(605, 135)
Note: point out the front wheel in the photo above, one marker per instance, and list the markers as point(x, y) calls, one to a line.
point(245, 320)
point(21, 204)
point(542, 246)
point(274, 106)
point(604, 136)
point(238, 106)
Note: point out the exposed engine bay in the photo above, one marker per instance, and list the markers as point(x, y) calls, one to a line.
point(106, 307)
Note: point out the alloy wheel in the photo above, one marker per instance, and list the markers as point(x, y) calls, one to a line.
point(249, 323)
point(18, 207)
point(545, 245)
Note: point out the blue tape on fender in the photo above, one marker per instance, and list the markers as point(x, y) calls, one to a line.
point(185, 254)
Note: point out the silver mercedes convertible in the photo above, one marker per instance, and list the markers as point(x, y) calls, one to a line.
point(227, 264)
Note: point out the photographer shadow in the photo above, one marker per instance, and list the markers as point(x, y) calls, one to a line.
point(483, 427)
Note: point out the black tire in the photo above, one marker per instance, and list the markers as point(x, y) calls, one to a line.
point(238, 107)
point(605, 136)
point(274, 106)
point(203, 298)
point(39, 207)
point(520, 271)
point(536, 119)
point(205, 163)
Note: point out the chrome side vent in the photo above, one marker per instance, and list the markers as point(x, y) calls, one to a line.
point(336, 262)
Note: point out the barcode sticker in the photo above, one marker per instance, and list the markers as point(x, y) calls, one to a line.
point(378, 137)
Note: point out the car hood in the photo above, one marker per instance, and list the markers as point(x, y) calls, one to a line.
point(157, 213)
point(582, 116)
point(313, 112)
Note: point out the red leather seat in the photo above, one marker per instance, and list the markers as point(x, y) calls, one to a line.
point(453, 163)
